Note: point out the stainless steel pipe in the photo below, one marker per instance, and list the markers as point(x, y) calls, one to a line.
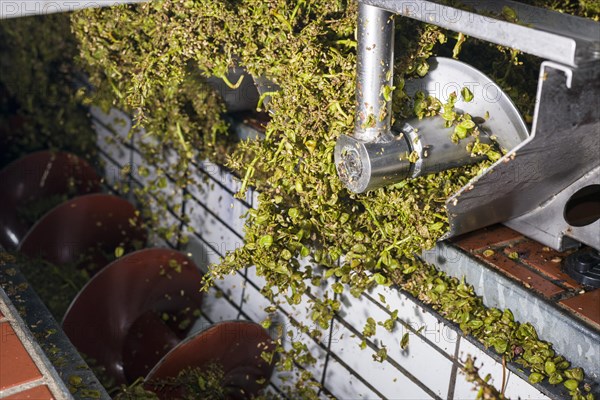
point(375, 70)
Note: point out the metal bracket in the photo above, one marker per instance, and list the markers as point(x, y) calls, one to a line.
point(564, 146)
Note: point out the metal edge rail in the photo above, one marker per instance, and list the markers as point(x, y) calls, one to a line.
point(569, 335)
point(548, 35)
point(17, 9)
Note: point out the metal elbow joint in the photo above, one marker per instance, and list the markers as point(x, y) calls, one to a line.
point(419, 147)
point(378, 154)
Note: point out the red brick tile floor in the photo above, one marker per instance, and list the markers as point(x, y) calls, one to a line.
point(37, 393)
point(20, 376)
point(16, 365)
point(535, 266)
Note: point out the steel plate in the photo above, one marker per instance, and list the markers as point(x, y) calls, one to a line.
point(447, 75)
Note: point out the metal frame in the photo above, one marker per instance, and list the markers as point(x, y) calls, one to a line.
point(564, 146)
point(550, 35)
point(562, 38)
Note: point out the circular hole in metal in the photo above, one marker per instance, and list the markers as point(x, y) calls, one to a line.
point(583, 208)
